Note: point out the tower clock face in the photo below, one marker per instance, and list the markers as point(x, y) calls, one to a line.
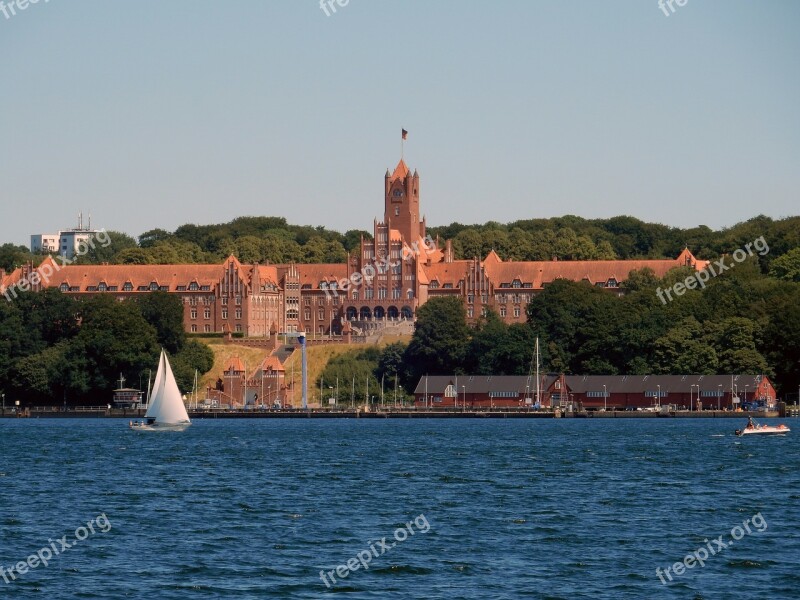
point(398, 193)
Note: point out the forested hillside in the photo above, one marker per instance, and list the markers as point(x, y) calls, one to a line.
point(273, 240)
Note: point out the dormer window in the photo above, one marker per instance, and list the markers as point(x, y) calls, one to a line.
point(64, 287)
point(153, 286)
point(128, 287)
point(193, 286)
point(102, 287)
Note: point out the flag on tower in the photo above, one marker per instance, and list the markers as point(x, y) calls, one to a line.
point(405, 134)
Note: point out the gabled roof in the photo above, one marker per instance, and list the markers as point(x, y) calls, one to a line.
point(235, 364)
point(400, 171)
point(450, 273)
point(539, 273)
point(271, 363)
point(313, 274)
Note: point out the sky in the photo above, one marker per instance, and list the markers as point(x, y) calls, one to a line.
point(153, 114)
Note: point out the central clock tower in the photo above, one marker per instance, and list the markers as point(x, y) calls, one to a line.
point(401, 210)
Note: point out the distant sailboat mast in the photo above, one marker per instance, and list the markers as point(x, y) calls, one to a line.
point(149, 377)
point(538, 398)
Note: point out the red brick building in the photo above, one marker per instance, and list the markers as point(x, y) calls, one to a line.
point(594, 392)
point(384, 282)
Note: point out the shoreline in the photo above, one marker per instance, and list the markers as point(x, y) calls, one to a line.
point(130, 414)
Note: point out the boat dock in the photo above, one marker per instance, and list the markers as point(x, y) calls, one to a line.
point(399, 413)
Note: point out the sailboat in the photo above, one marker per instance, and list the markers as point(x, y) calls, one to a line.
point(166, 411)
point(528, 399)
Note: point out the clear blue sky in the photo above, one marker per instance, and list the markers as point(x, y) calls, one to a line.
point(154, 114)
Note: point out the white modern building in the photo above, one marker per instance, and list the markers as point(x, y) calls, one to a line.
point(45, 242)
point(66, 242)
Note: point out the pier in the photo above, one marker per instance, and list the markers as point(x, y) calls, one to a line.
point(384, 413)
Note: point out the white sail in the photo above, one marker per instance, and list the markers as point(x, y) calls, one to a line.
point(167, 406)
point(156, 391)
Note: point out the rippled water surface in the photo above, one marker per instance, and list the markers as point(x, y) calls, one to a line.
point(516, 509)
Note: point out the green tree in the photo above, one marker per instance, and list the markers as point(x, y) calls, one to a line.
point(164, 311)
point(114, 339)
point(468, 244)
point(13, 256)
point(149, 238)
point(684, 350)
point(440, 341)
point(787, 267)
point(105, 247)
point(193, 356)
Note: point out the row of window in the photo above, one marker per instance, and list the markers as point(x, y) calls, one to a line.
point(207, 313)
point(128, 287)
point(504, 394)
point(207, 328)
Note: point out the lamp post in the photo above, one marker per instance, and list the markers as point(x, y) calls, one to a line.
point(464, 403)
point(605, 398)
point(659, 397)
point(691, 406)
point(719, 396)
point(4, 402)
point(745, 393)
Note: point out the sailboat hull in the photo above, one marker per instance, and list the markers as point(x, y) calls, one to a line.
point(135, 426)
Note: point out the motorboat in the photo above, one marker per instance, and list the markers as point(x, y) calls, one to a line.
point(753, 428)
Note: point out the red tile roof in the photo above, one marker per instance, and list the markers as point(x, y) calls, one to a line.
point(538, 273)
point(400, 171)
point(234, 364)
point(313, 274)
point(271, 363)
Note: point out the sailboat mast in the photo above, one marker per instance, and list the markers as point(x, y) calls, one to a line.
point(537, 373)
point(149, 376)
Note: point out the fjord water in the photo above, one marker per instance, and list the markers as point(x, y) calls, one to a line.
point(517, 508)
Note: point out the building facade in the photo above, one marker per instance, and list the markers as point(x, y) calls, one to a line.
point(385, 281)
point(595, 392)
point(67, 242)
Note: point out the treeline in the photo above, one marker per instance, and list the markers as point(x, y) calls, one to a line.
point(55, 349)
point(623, 237)
point(743, 322)
point(273, 240)
point(250, 239)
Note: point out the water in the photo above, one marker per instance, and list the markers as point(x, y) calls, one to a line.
point(516, 509)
